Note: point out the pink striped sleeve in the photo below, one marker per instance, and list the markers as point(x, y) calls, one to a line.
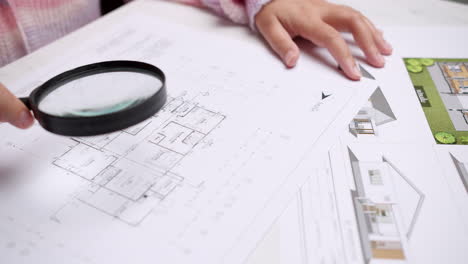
point(42, 21)
point(253, 7)
point(26, 25)
point(11, 42)
point(239, 11)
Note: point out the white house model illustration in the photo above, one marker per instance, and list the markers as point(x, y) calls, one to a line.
point(384, 223)
point(375, 113)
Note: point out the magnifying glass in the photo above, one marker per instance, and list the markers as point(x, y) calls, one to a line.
point(98, 98)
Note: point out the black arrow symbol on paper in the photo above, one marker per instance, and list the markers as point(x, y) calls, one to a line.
point(325, 96)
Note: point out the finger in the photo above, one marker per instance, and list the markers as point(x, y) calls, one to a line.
point(382, 44)
point(365, 40)
point(326, 36)
point(346, 19)
point(279, 40)
point(13, 111)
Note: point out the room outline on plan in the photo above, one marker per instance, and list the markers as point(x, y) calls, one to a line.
point(127, 180)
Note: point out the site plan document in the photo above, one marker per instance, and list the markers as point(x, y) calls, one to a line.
point(394, 187)
point(184, 185)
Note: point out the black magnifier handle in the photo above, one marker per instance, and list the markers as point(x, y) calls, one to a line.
point(26, 102)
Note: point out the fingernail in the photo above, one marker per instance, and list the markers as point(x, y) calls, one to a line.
point(24, 120)
point(290, 58)
point(380, 59)
point(387, 45)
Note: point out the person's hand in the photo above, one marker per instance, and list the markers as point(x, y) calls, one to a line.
point(320, 22)
point(13, 111)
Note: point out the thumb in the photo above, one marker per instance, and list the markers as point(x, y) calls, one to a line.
point(13, 111)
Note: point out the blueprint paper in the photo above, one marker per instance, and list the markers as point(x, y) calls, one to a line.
point(379, 121)
point(379, 203)
point(389, 192)
point(183, 186)
point(374, 204)
point(454, 161)
point(306, 169)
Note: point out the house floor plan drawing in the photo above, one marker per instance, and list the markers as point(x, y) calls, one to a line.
point(187, 183)
point(128, 182)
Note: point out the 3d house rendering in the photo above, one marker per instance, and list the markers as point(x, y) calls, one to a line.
point(383, 229)
point(451, 81)
point(456, 75)
point(462, 168)
point(376, 112)
point(459, 86)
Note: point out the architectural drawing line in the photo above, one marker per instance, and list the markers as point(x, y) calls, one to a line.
point(302, 226)
point(420, 201)
point(336, 206)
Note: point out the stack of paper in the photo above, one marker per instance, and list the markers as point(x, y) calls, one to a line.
point(212, 169)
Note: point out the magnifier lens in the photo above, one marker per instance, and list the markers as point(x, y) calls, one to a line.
point(100, 94)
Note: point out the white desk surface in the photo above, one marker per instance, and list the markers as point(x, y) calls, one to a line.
point(391, 15)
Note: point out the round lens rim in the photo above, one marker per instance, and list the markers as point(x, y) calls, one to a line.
point(102, 124)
